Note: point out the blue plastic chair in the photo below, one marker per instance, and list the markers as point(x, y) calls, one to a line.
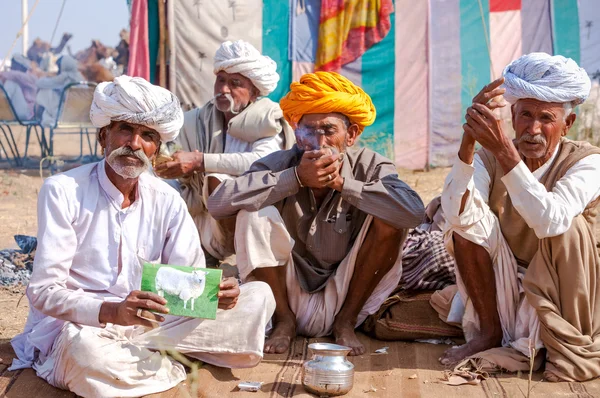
point(8, 119)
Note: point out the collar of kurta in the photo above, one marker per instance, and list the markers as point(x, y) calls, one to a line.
point(116, 197)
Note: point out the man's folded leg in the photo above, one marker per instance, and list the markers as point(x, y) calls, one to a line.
point(95, 362)
point(234, 340)
point(562, 285)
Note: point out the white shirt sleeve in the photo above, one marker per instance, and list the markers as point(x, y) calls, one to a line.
point(462, 178)
point(238, 163)
point(57, 243)
point(551, 213)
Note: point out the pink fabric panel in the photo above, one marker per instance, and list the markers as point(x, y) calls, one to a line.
point(411, 113)
point(139, 53)
point(506, 39)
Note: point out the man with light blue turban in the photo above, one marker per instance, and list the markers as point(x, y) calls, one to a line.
point(520, 223)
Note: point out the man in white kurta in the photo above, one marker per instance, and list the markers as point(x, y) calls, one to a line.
point(85, 330)
point(224, 137)
point(520, 224)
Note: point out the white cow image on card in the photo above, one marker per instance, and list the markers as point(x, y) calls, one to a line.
point(186, 285)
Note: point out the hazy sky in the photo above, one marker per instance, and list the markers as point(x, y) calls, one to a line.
point(85, 19)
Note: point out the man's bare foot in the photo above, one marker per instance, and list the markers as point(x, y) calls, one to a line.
point(454, 355)
point(344, 334)
point(281, 336)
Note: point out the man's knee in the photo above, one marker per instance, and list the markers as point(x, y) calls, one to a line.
point(580, 229)
point(213, 183)
point(269, 214)
point(579, 241)
point(81, 346)
point(385, 233)
point(258, 294)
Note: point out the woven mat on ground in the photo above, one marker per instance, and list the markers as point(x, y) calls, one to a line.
point(407, 370)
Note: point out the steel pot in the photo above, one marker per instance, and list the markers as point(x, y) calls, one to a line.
point(328, 373)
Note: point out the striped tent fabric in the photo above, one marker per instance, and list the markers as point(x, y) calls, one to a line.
point(423, 64)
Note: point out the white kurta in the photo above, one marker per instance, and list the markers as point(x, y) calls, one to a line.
point(548, 213)
point(87, 253)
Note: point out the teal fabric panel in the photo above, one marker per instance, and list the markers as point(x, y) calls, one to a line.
point(566, 28)
point(275, 39)
point(475, 57)
point(153, 38)
point(378, 70)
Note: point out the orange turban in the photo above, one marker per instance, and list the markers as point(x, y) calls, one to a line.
point(327, 92)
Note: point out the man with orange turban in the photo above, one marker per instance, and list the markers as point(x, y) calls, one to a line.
point(322, 223)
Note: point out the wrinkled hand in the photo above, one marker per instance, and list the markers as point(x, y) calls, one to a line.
point(490, 95)
point(319, 169)
point(125, 312)
point(183, 164)
point(481, 123)
point(229, 293)
point(485, 128)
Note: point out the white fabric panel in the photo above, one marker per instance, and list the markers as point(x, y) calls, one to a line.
point(589, 35)
point(505, 34)
point(199, 27)
point(301, 68)
point(353, 71)
point(446, 81)
point(536, 26)
point(411, 110)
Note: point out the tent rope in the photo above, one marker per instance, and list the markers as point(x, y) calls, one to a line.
point(57, 20)
point(486, 34)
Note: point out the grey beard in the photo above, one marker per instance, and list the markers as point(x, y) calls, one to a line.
point(128, 171)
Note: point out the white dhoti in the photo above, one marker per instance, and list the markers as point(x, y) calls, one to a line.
point(519, 320)
point(262, 240)
point(124, 361)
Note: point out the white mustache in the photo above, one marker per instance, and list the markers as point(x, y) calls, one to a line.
point(532, 139)
point(231, 102)
point(126, 151)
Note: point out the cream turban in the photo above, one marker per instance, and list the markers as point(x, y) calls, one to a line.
point(546, 78)
point(241, 57)
point(134, 100)
point(327, 92)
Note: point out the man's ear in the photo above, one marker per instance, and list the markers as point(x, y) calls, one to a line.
point(512, 114)
point(353, 133)
point(102, 136)
point(254, 94)
point(569, 121)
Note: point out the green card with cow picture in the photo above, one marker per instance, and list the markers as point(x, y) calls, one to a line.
point(189, 291)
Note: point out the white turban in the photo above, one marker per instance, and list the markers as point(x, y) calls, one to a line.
point(241, 57)
point(546, 78)
point(134, 100)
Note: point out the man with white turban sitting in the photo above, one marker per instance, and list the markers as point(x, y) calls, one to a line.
point(224, 137)
point(90, 329)
point(323, 223)
point(520, 223)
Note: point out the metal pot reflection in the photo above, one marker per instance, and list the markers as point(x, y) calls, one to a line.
point(328, 373)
